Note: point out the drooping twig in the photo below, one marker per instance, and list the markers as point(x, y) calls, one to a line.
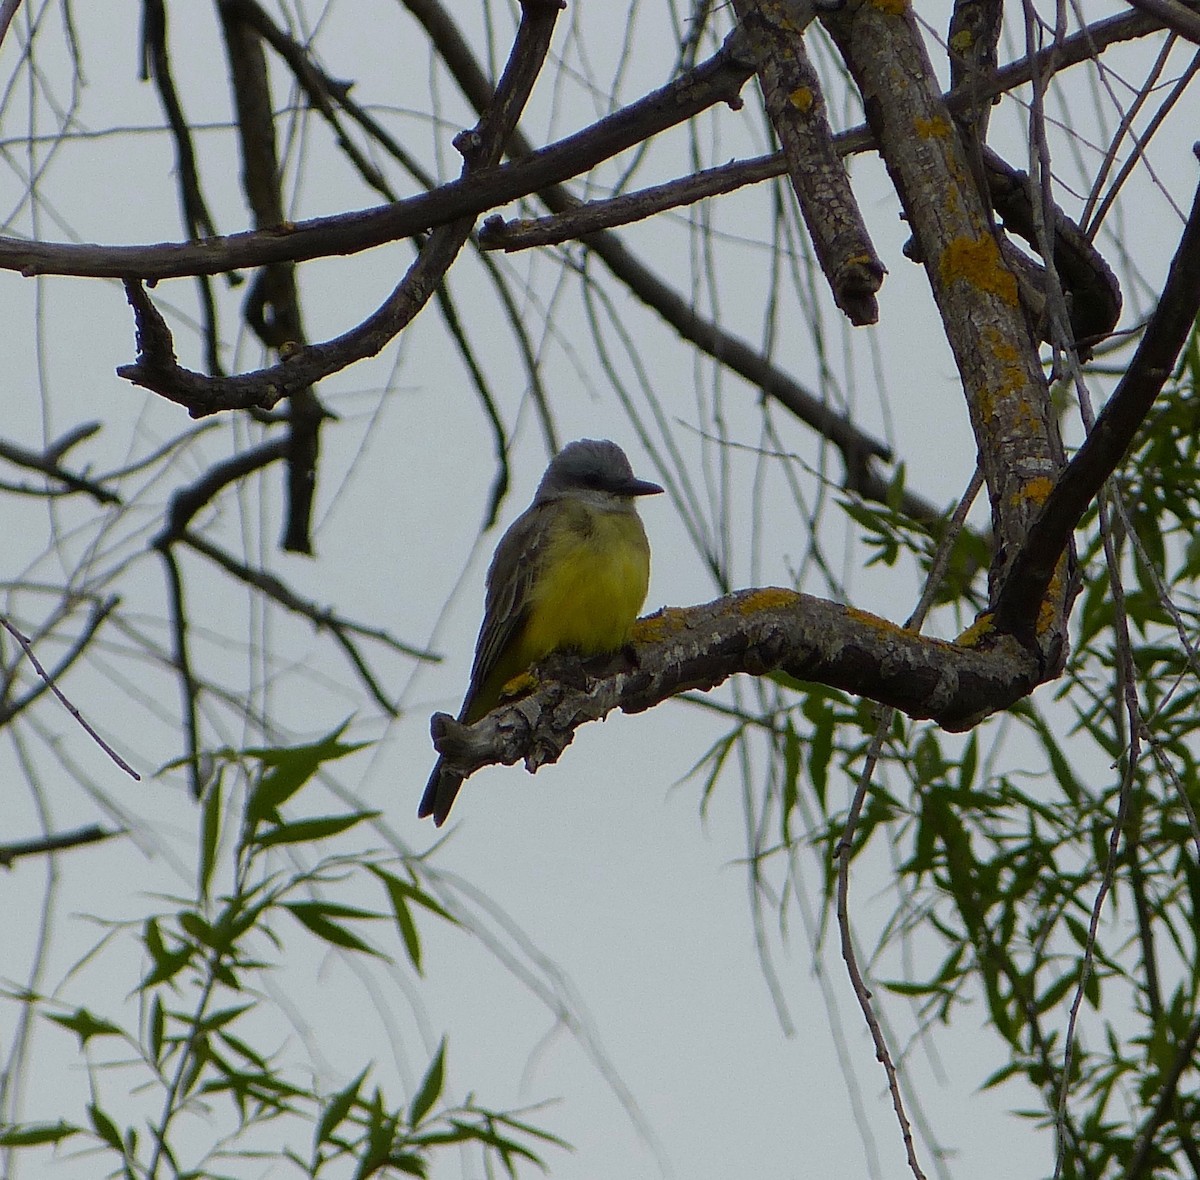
point(48, 680)
point(862, 993)
point(272, 307)
point(80, 836)
point(323, 618)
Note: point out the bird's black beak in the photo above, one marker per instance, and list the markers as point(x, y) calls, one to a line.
point(639, 487)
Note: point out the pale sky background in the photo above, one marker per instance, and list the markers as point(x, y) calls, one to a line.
point(628, 899)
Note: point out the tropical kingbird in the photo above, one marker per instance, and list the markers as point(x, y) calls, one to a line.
point(570, 573)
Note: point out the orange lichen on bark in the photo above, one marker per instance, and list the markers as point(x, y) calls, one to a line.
point(865, 616)
point(936, 128)
point(982, 627)
point(652, 628)
point(1049, 610)
point(802, 99)
point(768, 598)
point(1002, 348)
point(978, 262)
point(1033, 491)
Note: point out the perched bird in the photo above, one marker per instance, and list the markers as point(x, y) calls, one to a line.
point(570, 573)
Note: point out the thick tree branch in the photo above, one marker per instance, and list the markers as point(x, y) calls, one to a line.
point(1177, 17)
point(756, 632)
point(1175, 316)
point(1093, 293)
point(792, 94)
point(717, 80)
point(976, 293)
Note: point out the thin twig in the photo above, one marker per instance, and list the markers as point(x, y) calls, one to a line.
point(846, 842)
point(28, 649)
point(89, 835)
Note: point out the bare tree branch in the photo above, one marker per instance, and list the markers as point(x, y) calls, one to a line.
point(1106, 445)
point(792, 94)
point(49, 463)
point(272, 307)
point(1174, 15)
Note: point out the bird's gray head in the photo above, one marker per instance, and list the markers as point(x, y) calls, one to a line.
point(595, 465)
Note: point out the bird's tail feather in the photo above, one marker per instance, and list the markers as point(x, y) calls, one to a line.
point(440, 793)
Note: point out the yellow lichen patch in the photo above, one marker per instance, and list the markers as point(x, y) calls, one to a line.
point(986, 404)
point(1014, 381)
point(976, 631)
point(1002, 348)
point(802, 99)
point(519, 686)
point(768, 598)
point(891, 7)
point(978, 262)
point(962, 41)
point(1034, 491)
point(668, 621)
point(935, 128)
point(870, 620)
point(1048, 611)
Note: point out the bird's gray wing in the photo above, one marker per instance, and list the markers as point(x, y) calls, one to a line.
point(510, 579)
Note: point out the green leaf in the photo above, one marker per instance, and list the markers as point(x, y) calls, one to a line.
point(167, 963)
point(406, 1162)
point(336, 1110)
point(210, 833)
point(791, 776)
point(196, 927)
point(408, 931)
point(105, 1128)
point(290, 769)
point(820, 752)
point(400, 894)
point(85, 1025)
point(34, 1134)
point(304, 830)
point(431, 1087)
point(156, 1030)
point(315, 917)
point(969, 764)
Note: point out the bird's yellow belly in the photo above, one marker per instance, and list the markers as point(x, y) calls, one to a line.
point(592, 586)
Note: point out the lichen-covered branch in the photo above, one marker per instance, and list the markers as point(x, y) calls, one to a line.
point(1112, 434)
point(756, 632)
point(976, 292)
